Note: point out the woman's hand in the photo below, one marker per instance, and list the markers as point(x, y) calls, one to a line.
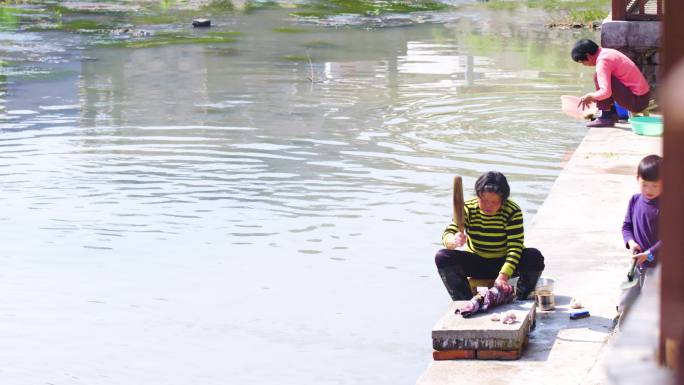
point(586, 100)
point(456, 240)
point(502, 283)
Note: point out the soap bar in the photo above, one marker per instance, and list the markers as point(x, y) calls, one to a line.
point(577, 314)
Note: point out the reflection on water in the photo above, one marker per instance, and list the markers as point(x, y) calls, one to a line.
point(284, 211)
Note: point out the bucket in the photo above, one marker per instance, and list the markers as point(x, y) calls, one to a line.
point(544, 293)
point(546, 300)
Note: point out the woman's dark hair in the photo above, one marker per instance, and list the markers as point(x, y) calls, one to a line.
point(649, 168)
point(582, 49)
point(493, 182)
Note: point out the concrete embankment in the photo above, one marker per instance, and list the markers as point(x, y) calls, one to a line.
point(578, 231)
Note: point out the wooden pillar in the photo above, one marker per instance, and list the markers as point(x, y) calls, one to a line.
point(659, 9)
point(672, 202)
point(619, 9)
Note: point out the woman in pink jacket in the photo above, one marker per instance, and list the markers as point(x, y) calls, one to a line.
point(617, 79)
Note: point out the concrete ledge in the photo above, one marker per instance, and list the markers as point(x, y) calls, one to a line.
point(631, 358)
point(638, 35)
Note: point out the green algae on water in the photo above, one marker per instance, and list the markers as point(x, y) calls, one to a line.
point(81, 25)
point(226, 34)
point(296, 58)
point(154, 19)
point(319, 44)
point(223, 51)
point(169, 38)
point(571, 11)
point(321, 8)
point(9, 18)
point(252, 5)
point(290, 30)
point(43, 75)
point(219, 6)
point(12, 17)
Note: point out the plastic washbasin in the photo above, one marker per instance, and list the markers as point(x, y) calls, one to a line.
point(647, 125)
point(569, 105)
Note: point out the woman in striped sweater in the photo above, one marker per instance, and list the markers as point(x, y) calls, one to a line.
point(494, 243)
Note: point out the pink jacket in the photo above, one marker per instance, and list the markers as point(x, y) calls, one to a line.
point(611, 62)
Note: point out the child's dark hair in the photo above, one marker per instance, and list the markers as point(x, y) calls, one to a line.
point(649, 168)
point(582, 49)
point(493, 182)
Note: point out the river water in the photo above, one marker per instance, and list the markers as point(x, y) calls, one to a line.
point(228, 215)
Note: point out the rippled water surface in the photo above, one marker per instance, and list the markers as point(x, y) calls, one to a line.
point(264, 211)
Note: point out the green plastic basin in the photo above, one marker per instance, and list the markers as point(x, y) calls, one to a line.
point(647, 125)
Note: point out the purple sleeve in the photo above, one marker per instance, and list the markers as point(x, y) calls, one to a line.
point(627, 226)
point(654, 249)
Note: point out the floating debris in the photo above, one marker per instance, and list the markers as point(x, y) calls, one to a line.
point(201, 23)
point(129, 32)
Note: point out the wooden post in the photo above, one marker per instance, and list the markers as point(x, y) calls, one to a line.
point(671, 205)
point(619, 10)
point(659, 9)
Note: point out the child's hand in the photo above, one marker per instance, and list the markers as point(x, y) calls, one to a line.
point(634, 247)
point(640, 257)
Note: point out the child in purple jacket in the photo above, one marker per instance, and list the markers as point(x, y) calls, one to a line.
point(640, 227)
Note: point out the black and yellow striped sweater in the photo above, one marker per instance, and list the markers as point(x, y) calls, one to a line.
point(493, 236)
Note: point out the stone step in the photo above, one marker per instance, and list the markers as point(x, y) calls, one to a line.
point(478, 337)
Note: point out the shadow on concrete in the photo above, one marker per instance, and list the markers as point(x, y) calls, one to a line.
point(549, 325)
point(562, 300)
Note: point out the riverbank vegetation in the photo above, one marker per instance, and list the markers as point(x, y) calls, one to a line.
point(563, 13)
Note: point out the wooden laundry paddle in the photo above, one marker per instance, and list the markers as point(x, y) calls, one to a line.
point(458, 203)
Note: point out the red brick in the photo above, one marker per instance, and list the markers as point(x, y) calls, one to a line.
point(498, 354)
point(459, 354)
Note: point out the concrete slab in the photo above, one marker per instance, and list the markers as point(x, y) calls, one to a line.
point(479, 332)
point(578, 231)
point(633, 34)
